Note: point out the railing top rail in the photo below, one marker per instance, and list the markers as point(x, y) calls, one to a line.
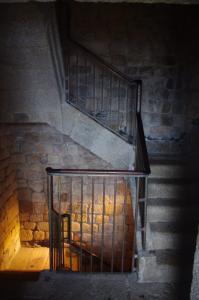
point(103, 63)
point(95, 172)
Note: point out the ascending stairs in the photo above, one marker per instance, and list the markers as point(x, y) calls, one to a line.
point(171, 223)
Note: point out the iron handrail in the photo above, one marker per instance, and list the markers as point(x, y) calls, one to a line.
point(144, 152)
point(95, 172)
point(103, 63)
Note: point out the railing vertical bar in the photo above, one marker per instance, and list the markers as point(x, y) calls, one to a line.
point(94, 87)
point(50, 206)
point(86, 81)
point(124, 225)
point(59, 224)
point(102, 239)
point(113, 233)
point(71, 213)
point(127, 112)
point(77, 78)
point(62, 238)
point(145, 211)
point(69, 53)
point(119, 95)
point(110, 100)
point(92, 212)
point(81, 225)
point(136, 220)
point(102, 92)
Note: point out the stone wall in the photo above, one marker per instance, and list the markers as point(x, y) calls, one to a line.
point(194, 286)
point(35, 147)
point(155, 44)
point(32, 148)
point(28, 86)
point(9, 209)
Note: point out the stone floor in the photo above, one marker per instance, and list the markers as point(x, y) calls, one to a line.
point(61, 286)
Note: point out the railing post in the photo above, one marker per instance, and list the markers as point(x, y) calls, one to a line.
point(50, 203)
point(138, 96)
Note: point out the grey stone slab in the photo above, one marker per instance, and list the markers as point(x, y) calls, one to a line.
point(96, 138)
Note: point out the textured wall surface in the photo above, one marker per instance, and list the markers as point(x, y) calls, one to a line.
point(33, 148)
point(155, 44)
point(9, 209)
point(194, 287)
point(28, 87)
point(30, 149)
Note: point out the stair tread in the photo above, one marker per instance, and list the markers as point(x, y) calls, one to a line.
point(185, 226)
point(167, 160)
point(172, 257)
point(174, 202)
point(157, 180)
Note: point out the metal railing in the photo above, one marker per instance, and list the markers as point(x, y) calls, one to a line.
point(78, 244)
point(101, 91)
point(93, 220)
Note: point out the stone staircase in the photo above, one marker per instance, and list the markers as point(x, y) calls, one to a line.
point(171, 224)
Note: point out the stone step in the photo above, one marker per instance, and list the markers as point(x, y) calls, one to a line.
point(164, 266)
point(165, 169)
point(171, 210)
point(165, 188)
point(96, 138)
point(171, 235)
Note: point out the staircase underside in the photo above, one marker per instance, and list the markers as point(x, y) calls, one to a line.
point(96, 138)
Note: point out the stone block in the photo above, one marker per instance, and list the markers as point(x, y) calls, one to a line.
point(26, 235)
point(29, 225)
point(75, 226)
point(38, 197)
point(39, 235)
point(86, 228)
point(36, 218)
point(24, 194)
point(99, 219)
point(36, 186)
point(43, 226)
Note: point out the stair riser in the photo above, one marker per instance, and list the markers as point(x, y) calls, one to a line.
point(168, 214)
point(164, 241)
point(167, 171)
point(150, 271)
point(164, 190)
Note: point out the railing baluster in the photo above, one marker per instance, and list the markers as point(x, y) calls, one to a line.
point(124, 224)
point(68, 70)
point(102, 239)
point(50, 217)
point(71, 213)
point(81, 225)
point(145, 211)
point(59, 223)
point(94, 87)
point(135, 222)
point(77, 79)
point(119, 94)
point(110, 100)
point(102, 91)
point(127, 110)
point(92, 212)
point(86, 84)
point(113, 233)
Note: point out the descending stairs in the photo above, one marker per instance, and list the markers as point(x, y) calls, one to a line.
point(171, 224)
